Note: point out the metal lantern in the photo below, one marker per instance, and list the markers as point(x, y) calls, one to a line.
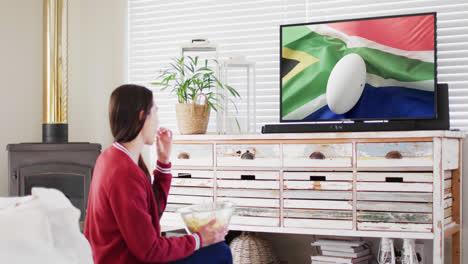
point(197, 46)
point(238, 115)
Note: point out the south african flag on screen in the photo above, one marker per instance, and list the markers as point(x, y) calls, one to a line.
point(399, 57)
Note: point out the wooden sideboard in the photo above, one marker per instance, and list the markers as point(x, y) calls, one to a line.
point(402, 184)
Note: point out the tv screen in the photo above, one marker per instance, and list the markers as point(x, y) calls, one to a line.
point(380, 68)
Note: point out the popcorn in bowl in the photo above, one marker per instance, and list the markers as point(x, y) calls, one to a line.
point(198, 215)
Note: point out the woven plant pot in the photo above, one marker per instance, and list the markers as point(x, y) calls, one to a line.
point(248, 248)
point(193, 118)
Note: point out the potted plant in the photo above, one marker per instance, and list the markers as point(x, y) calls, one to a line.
point(189, 79)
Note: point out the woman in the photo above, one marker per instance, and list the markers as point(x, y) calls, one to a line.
point(122, 219)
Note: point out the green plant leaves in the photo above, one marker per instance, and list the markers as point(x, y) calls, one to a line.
point(186, 79)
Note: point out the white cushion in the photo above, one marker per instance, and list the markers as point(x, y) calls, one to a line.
point(41, 228)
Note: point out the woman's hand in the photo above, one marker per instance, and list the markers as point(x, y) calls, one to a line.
point(164, 145)
point(210, 235)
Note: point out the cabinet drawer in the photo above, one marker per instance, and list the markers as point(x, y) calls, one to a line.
point(318, 200)
point(394, 177)
point(395, 156)
point(192, 178)
point(254, 211)
point(192, 155)
point(190, 187)
point(192, 174)
point(248, 175)
point(248, 180)
point(394, 182)
point(394, 201)
point(317, 176)
point(248, 155)
point(191, 183)
point(297, 210)
point(318, 155)
point(394, 216)
point(318, 181)
point(255, 193)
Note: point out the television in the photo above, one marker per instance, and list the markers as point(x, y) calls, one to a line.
point(366, 70)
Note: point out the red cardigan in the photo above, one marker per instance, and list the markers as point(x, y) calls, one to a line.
point(122, 223)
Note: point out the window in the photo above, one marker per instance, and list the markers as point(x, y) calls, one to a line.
point(158, 29)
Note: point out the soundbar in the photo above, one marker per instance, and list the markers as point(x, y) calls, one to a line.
point(441, 122)
point(337, 127)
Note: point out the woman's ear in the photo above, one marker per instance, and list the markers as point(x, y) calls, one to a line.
point(140, 115)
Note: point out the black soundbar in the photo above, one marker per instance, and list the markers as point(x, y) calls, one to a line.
point(441, 122)
point(337, 127)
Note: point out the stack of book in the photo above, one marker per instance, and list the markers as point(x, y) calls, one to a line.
point(342, 251)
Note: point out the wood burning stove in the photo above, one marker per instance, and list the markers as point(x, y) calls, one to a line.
point(66, 167)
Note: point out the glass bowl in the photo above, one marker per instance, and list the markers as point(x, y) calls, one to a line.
point(198, 215)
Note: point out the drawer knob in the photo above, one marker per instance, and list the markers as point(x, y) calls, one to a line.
point(394, 155)
point(317, 155)
point(248, 155)
point(184, 175)
point(318, 178)
point(248, 177)
point(183, 155)
point(393, 179)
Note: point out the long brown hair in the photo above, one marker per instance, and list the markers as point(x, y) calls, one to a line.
point(126, 103)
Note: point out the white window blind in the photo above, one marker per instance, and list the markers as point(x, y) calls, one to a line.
point(158, 29)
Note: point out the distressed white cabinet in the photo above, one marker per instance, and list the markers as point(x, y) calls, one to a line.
point(402, 184)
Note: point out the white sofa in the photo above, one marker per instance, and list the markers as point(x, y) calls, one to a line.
point(41, 228)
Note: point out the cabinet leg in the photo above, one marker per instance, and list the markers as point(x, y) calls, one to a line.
point(456, 256)
point(438, 249)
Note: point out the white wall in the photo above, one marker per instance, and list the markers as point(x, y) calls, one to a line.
point(97, 66)
point(21, 77)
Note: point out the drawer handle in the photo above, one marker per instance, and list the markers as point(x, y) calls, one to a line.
point(317, 155)
point(184, 175)
point(183, 155)
point(248, 177)
point(394, 179)
point(394, 155)
point(318, 178)
point(248, 155)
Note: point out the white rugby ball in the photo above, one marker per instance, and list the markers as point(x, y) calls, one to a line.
point(346, 83)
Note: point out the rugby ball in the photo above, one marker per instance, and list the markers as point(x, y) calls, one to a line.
point(346, 83)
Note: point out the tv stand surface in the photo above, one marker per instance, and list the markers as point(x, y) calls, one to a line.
point(347, 188)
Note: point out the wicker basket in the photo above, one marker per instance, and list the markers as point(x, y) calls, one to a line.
point(193, 118)
point(249, 248)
